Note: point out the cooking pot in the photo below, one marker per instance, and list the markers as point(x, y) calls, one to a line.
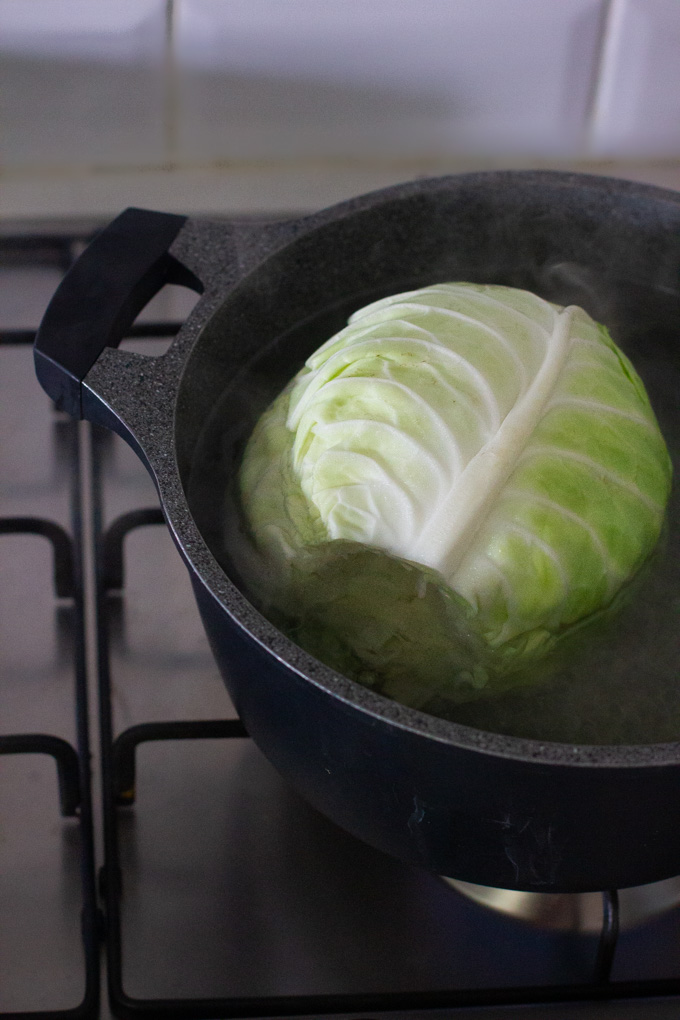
point(486, 808)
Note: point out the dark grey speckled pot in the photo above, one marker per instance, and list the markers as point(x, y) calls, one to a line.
point(477, 806)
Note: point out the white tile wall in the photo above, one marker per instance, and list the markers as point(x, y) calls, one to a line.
point(262, 79)
point(100, 30)
point(82, 82)
point(637, 108)
point(93, 92)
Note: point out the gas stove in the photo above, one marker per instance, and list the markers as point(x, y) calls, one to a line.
point(152, 863)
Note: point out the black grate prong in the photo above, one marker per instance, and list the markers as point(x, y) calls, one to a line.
point(61, 545)
point(609, 936)
point(65, 757)
point(125, 745)
point(112, 543)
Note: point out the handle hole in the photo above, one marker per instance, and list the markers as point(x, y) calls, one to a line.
point(155, 327)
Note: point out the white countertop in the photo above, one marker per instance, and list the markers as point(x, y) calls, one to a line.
point(259, 188)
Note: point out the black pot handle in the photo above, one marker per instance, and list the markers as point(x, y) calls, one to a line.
point(100, 296)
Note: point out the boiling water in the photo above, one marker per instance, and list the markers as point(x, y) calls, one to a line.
point(621, 685)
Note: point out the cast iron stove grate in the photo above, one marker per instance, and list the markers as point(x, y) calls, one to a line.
point(72, 765)
point(103, 544)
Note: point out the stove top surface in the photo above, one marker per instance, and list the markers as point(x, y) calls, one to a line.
point(220, 892)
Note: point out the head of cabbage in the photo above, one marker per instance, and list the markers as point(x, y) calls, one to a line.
point(452, 484)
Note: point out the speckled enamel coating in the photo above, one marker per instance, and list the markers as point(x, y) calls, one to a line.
point(452, 228)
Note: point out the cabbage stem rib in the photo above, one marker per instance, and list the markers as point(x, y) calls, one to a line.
point(600, 472)
point(457, 519)
point(598, 408)
point(476, 324)
point(612, 572)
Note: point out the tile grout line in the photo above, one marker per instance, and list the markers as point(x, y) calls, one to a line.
point(170, 84)
point(601, 93)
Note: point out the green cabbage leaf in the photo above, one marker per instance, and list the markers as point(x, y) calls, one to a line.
point(458, 479)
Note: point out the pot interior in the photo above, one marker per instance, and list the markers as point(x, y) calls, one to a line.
point(610, 247)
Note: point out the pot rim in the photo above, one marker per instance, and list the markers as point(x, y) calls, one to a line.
point(257, 627)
